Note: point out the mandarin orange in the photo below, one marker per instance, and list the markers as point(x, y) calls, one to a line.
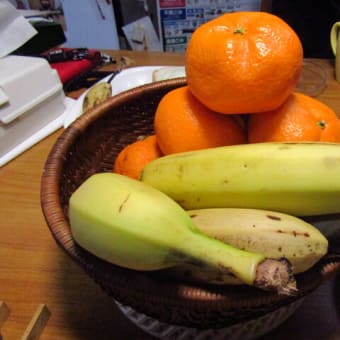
point(300, 118)
point(182, 123)
point(132, 158)
point(243, 62)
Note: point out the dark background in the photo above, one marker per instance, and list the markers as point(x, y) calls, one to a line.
point(312, 21)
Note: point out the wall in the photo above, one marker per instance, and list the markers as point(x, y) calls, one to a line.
point(86, 27)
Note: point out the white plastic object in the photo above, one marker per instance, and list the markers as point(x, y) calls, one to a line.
point(32, 96)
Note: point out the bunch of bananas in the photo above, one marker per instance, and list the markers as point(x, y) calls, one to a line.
point(223, 215)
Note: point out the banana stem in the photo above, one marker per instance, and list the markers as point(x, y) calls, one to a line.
point(251, 268)
point(276, 274)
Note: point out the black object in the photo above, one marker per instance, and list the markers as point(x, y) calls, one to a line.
point(312, 21)
point(50, 34)
point(64, 54)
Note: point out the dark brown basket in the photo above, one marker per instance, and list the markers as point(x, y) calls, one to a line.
point(90, 145)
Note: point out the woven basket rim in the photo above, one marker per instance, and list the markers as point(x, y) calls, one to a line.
point(199, 298)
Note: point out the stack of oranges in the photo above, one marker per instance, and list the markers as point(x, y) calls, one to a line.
point(242, 69)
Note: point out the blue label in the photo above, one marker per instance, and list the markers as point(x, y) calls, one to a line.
point(173, 14)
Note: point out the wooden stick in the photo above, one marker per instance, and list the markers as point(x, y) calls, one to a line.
point(37, 323)
point(4, 313)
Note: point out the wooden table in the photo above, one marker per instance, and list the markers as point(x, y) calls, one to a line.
point(34, 270)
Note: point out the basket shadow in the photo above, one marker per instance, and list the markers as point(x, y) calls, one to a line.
point(89, 312)
point(320, 313)
point(336, 292)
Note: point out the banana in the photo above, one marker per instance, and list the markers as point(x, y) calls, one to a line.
point(133, 225)
point(271, 233)
point(300, 179)
point(96, 95)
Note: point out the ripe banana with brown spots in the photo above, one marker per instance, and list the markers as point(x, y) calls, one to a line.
point(273, 234)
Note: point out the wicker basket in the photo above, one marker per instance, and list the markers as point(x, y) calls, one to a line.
point(90, 145)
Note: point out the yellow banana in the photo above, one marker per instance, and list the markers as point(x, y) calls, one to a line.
point(133, 225)
point(271, 233)
point(96, 95)
point(296, 178)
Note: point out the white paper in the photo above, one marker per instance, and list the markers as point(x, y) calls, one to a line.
point(141, 35)
point(15, 30)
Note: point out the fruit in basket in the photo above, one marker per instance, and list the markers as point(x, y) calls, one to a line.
point(133, 225)
point(271, 233)
point(300, 118)
point(132, 158)
point(295, 178)
point(96, 95)
point(182, 123)
point(243, 62)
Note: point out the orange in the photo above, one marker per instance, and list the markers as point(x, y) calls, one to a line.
point(243, 62)
point(300, 118)
point(182, 123)
point(133, 157)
